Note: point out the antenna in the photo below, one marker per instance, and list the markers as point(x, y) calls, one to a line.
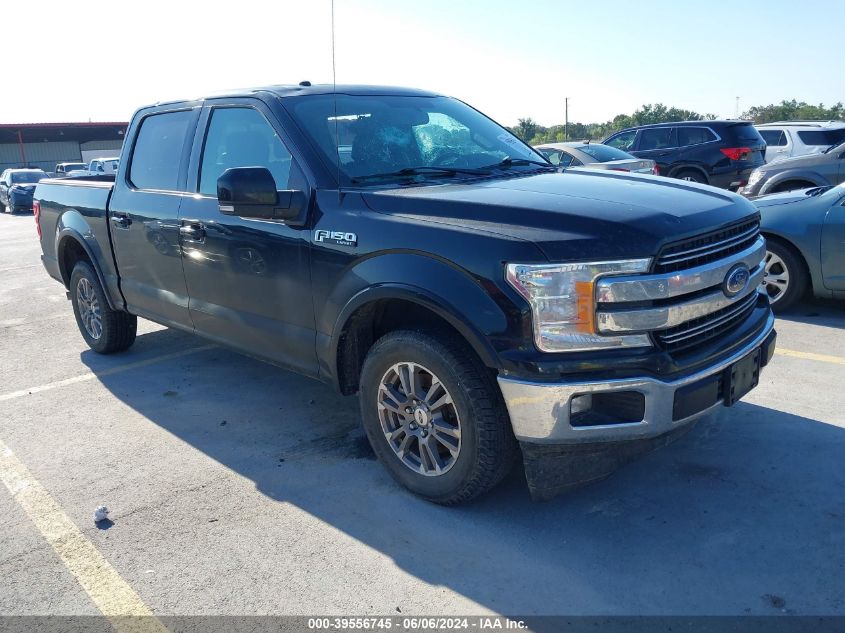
point(334, 93)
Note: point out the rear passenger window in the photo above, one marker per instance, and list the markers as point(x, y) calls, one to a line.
point(241, 137)
point(655, 138)
point(774, 138)
point(694, 136)
point(565, 160)
point(158, 151)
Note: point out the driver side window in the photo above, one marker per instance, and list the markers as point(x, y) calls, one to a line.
point(242, 137)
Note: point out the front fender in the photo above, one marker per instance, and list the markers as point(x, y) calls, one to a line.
point(466, 303)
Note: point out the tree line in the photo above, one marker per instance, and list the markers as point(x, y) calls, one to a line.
point(532, 132)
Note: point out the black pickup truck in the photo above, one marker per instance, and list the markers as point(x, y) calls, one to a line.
point(400, 245)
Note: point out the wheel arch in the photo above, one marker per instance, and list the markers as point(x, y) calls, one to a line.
point(678, 168)
point(815, 180)
point(72, 248)
point(378, 310)
point(786, 242)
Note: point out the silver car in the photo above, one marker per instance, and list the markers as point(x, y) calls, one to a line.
point(595, 155)
point(798, 172)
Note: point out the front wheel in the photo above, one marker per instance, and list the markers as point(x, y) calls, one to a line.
point(105, 330)
point(785, 278)
point(435, 417)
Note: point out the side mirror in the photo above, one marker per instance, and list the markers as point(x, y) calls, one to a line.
point(250, 192)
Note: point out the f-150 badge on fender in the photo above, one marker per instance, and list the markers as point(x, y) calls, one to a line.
point(336, 237)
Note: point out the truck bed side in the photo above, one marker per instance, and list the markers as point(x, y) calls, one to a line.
point(73, 223)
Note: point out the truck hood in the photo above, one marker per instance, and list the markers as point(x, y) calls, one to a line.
point(574, 215)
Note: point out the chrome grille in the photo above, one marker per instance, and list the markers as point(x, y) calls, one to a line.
point(708, 247)
point(684, 302)
point(700, 330)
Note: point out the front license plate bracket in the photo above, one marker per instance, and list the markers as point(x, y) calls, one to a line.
point(742, 377)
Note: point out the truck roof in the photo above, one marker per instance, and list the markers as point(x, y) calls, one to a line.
point(306, 88)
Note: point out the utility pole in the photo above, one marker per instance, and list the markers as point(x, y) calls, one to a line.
point(736, 114)
point(566, 119)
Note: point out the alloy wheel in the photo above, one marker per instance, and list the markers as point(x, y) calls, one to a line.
point(419, 419)
point(89, 308)
point(776, 277)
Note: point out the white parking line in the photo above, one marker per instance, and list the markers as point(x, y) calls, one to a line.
point(107, 589)
point(106, 372)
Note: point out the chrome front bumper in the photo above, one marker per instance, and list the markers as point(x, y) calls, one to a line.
point(540, 412)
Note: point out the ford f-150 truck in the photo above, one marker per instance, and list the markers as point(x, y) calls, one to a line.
point(400, 245)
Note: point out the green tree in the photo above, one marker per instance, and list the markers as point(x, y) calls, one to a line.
point(526, 129)
point(794, 110)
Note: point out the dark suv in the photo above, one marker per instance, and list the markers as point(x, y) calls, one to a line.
point(718, 153)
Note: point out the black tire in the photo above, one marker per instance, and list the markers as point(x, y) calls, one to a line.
point(487, 445)
point(117, 328)
point(691, 175)
point(781, 256)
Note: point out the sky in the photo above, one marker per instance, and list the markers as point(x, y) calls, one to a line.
point(509, 59)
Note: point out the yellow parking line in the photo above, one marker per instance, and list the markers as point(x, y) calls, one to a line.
point(824, 358)
point(111, 594)
point(106, 372)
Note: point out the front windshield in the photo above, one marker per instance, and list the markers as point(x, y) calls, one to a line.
point(381, 135)
point(28, 176)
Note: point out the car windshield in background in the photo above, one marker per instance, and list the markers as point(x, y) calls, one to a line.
point(28, 176)
point(422, 137)
point(603, 153)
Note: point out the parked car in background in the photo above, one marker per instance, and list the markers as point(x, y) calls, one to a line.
point(799, 172)
point(17, 187)
point(786, 139)
point(65, 169)
point(718, 153)
point(596, 156)
point(103, 166)
point(805, 231)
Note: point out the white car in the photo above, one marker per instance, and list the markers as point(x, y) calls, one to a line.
point(785, 139)
point(103, 166)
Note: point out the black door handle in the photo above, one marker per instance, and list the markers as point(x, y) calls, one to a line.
point(121, 220)
point(194, 232)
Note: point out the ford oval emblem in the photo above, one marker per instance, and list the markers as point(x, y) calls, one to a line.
point(736, 280)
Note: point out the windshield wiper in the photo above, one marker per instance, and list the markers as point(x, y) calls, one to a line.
point(422, 171)
point(511, 162)
point(817, 190)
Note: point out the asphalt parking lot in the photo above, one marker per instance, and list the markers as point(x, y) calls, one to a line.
point(239, 488)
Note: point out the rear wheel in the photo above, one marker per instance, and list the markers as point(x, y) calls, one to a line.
point(691, 175)
point(785, 279)
point(435, 417)
point(105, 330)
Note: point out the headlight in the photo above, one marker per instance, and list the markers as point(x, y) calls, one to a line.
point(562, 299)
point(755, 177)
